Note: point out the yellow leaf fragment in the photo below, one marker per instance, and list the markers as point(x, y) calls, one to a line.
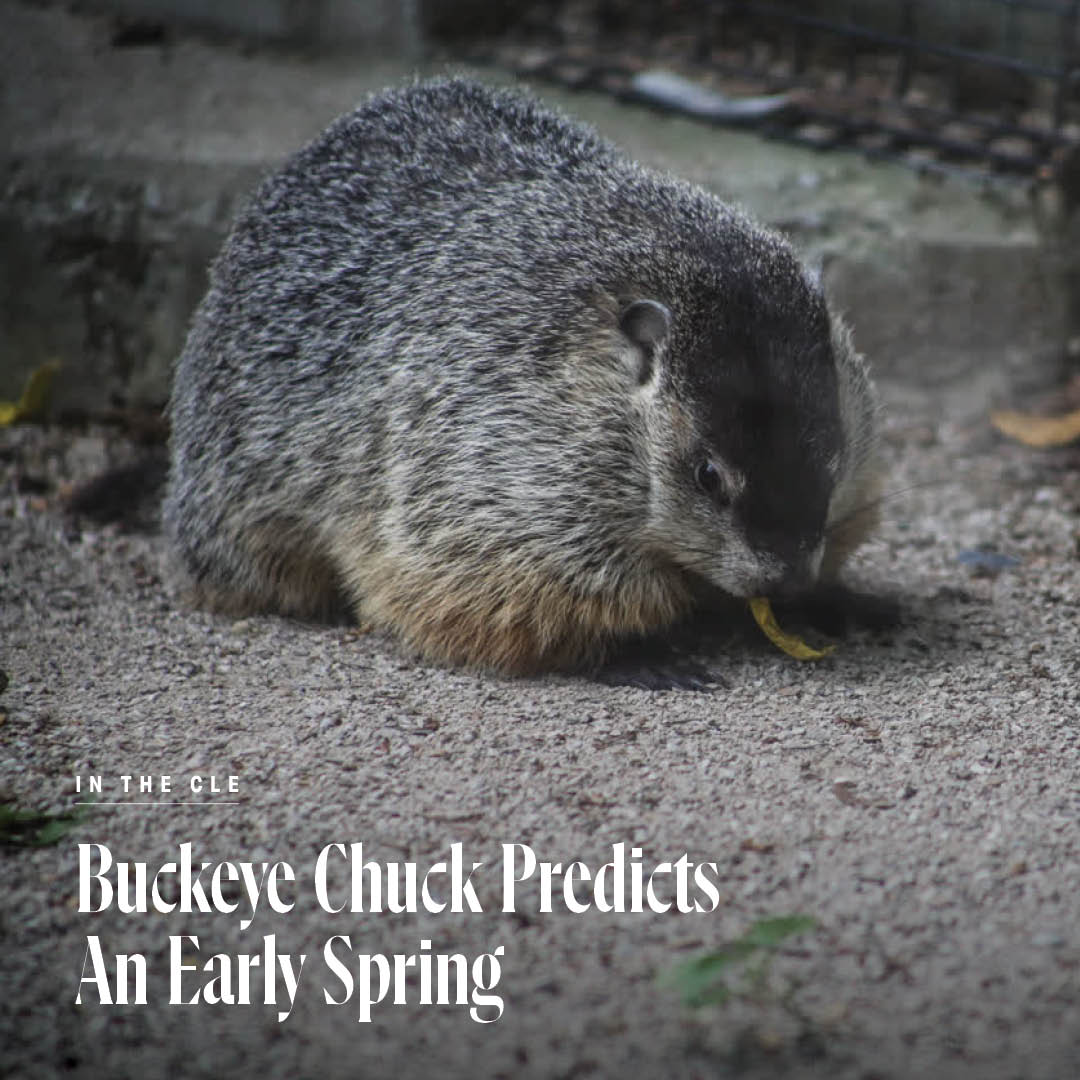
point(794, 646)
point(1037, 431)
point(35, 396)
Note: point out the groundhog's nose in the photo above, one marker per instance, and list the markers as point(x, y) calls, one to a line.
point(794, 572)
point(795, 580)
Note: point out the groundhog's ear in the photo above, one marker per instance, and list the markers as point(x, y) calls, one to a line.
point(646, 323)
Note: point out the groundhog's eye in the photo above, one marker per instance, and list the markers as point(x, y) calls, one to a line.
point(707, 478)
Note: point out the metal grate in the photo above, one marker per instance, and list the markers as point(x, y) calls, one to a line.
point(984, 86)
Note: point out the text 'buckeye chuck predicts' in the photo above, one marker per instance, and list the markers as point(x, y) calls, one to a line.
point(343, 880)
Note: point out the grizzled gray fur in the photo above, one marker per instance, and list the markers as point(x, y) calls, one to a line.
point(465, 370)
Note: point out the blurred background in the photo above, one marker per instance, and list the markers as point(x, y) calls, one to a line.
point(924, 155)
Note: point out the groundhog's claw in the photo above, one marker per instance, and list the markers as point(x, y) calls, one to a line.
point(649, 666)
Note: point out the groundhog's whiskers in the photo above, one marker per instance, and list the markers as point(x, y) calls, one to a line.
point(877, 502)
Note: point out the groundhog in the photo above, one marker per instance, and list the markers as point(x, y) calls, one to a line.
point(467, 372)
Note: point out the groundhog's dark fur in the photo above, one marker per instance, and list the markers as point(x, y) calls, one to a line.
point(466, 370)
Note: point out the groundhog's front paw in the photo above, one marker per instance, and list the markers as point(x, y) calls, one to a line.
point(836, 609)
point(653, 665)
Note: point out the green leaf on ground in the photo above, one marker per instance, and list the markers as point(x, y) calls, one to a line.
point(35, 828)
point(701, 980)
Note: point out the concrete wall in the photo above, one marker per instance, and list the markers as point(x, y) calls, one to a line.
point(377, 26)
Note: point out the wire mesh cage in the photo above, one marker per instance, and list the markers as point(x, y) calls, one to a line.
point(990, 86)
point(962, 81)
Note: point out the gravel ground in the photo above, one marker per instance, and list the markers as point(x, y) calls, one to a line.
point(916, 794)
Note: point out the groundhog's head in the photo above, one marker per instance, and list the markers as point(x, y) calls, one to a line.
point(761, 434)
